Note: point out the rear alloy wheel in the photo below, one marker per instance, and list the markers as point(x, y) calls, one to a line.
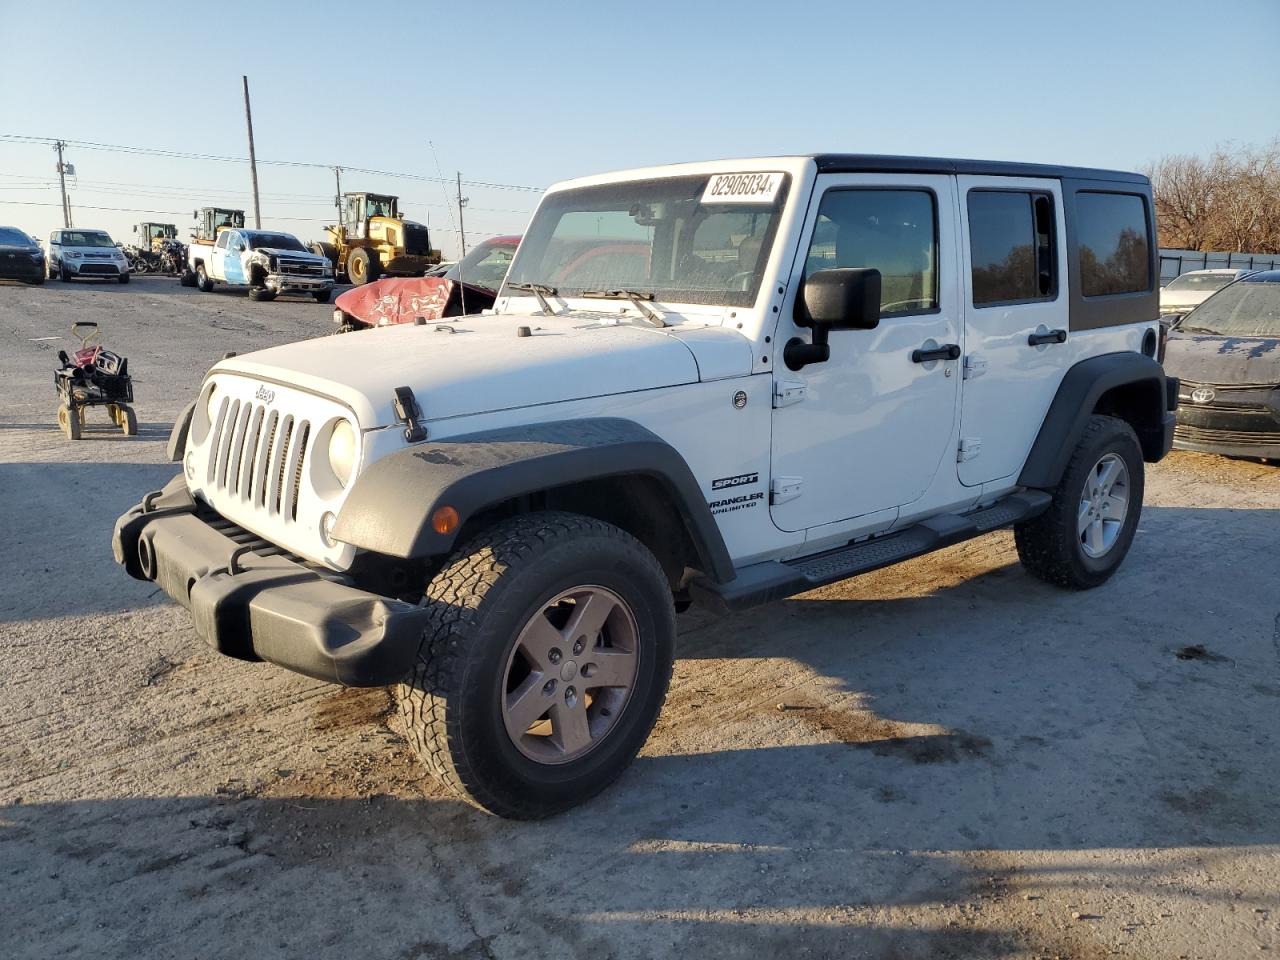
point(544, 663)
point(1083, 537)
point(203, 283)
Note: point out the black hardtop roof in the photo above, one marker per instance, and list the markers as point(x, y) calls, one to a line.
point(872, 163)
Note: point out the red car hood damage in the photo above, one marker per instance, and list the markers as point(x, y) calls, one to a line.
point(402, 299)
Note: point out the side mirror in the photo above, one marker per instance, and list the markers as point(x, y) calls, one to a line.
point(843, 298)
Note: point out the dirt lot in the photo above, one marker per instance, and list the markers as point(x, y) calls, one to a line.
point(967, 763)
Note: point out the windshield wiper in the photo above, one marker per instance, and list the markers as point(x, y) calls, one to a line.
point(539, 290)
point(635, 296)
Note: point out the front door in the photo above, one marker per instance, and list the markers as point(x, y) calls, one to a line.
point(876, 421)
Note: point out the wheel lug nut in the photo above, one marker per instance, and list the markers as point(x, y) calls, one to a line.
point(570, 696)
point(548, 688)
point(577, 646)
point(555, 655)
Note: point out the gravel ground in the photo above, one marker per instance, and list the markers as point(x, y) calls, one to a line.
point(944, 759)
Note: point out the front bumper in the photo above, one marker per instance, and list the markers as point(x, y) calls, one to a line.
point(288, 283)
point(252, 603)
point(20, 269)
point(94, 268)
point(1237, 421)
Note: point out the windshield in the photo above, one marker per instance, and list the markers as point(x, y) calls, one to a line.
point(1241, 310)
point(484, 266)
point(380, 207)
point(683, 239)
point(1203, 282)
point(11, 237)
point(274, 241)
point(228, 218)
point(85, 238)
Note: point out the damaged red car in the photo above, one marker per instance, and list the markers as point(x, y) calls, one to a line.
point(467, 287)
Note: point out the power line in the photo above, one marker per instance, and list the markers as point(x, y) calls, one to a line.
point(185, 155)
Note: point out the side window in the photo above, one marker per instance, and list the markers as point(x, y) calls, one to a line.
point(1115, 250)
point(223, 239)
point(1012, 246)
point(894, 231)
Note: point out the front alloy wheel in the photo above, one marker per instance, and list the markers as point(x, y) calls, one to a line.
point(545, 660)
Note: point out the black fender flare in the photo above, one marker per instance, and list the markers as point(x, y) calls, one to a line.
point(1078, 394)
point(389, 508)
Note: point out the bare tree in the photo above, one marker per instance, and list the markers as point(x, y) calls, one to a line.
point(1229, 201)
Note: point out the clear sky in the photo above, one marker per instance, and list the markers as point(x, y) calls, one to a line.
point(529, 93)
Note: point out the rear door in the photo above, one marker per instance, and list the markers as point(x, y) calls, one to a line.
point(1015, 319)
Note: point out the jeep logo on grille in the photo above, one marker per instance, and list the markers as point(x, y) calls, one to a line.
point(265, 395)
point(1203, 395)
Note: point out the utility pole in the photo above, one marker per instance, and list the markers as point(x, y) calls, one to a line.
point(337, 197)
point(62, 179)
point(253, 160)
point(462, 202)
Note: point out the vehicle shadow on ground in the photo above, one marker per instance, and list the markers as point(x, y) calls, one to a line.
point(921, 737)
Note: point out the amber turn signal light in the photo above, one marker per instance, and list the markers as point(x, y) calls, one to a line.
point(444, 520)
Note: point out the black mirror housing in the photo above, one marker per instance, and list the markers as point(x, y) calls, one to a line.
point(842, 298)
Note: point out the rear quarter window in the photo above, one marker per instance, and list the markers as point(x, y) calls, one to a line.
point(1115, 248)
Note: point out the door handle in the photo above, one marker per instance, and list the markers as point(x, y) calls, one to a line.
point(1041, 339)
point(948, 351)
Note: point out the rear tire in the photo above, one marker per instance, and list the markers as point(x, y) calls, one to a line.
point(128, 421)
point(203, 283)
point(187, 278)
point(471, 704)
point(1081, 540)
point(363, 266)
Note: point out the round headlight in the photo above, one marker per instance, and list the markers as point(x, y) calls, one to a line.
point(342, 451)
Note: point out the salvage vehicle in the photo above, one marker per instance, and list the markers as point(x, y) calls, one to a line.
point(20, 257)
point(820, 366)
point(373, 240)
point(1226, 355)
point(210, 221)
point(265, 262)
point(86, 254)
point(1187, 291)
point(468, 286)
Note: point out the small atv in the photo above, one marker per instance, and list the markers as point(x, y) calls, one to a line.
point(93, 377)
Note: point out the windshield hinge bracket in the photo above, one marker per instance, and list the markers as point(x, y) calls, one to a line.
point(782, 489)
point(969, 448)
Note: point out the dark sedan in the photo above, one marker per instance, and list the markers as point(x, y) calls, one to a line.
point(1226, 353)
point(20, 257)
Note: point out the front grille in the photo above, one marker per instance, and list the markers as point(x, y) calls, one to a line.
point(1189, 386)
point(258, 455)
point(105, 269)
point(299, 268)
point(417, 240)
point(1243, 438)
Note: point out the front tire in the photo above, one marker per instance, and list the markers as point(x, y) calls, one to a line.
point(124, 278)
point(323, 296)
point(64, 274)
point(545, 660)
point(1081, 540)
point(363, 266)
point(261, 294)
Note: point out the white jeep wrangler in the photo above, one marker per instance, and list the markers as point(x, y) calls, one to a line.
point(725, 383)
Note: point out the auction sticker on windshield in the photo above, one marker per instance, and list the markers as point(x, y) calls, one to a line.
point(758, 187)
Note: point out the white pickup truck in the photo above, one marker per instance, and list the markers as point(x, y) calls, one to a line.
point(266, 262)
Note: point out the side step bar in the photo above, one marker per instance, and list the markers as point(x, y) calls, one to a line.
point(776, 580)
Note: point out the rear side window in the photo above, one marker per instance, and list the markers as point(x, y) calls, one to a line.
point(1012, 247)
point(894, 231)
point(1115, 250)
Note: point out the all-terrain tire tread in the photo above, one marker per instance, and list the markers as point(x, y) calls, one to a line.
point(1045, 543)
point(461, 587)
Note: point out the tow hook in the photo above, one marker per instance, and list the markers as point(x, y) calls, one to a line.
point(408, 412)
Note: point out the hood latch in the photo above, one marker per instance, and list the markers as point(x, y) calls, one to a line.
point(408, 412)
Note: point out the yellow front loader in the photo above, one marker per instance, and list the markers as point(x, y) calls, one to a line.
point(373, 240)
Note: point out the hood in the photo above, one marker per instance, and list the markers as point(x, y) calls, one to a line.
point(404, 299)
point(296, 254)
point(19, 248)
point(1207, 358)
point(482, 366)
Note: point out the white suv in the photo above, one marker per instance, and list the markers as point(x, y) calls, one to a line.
point(724, 383)
point(86, 253)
